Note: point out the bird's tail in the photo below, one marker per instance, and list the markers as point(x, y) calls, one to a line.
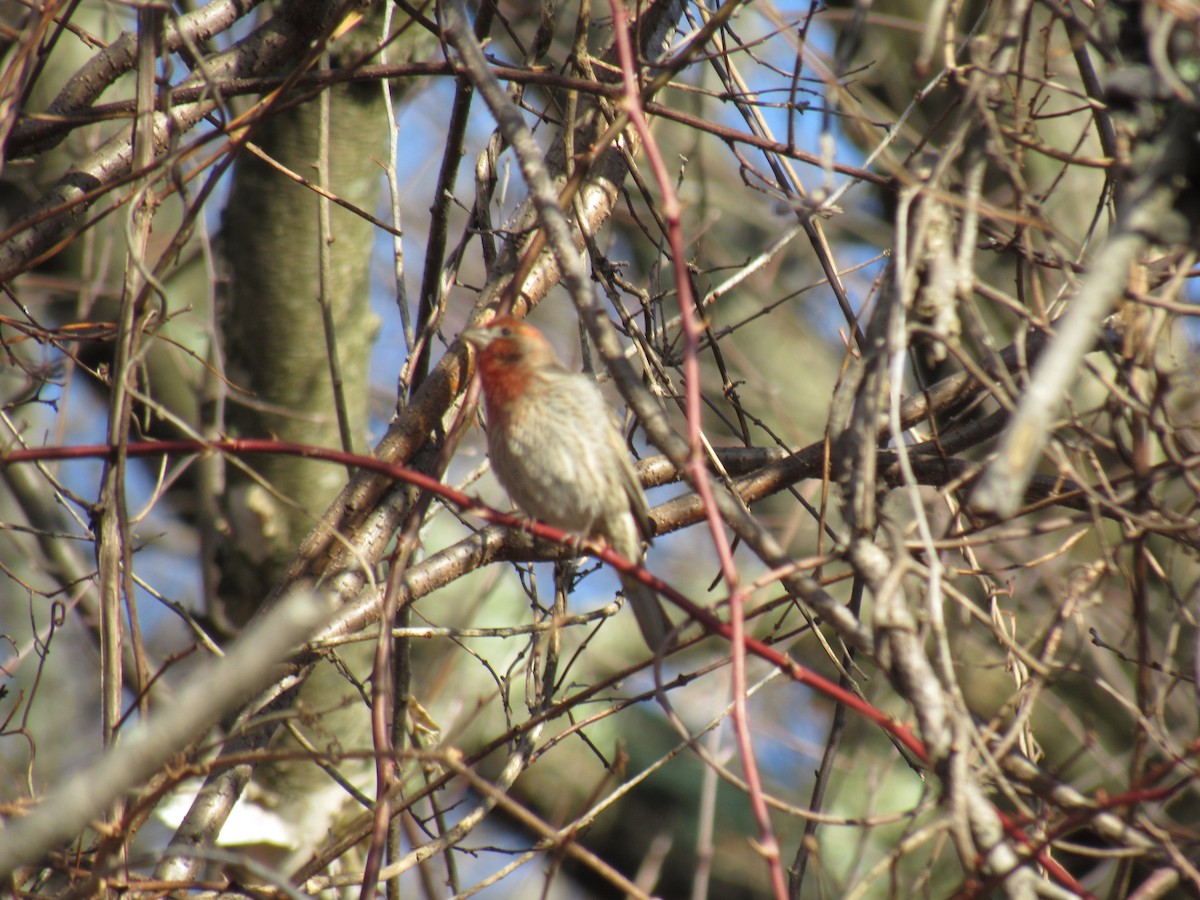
point(651, 618)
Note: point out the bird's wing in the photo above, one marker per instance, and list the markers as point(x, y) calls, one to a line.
point(633, 488)
point(637, 502)
point(605, 428)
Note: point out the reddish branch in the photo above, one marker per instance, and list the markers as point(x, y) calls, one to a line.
point(711, 624)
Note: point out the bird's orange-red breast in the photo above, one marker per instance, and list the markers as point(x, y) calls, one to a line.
point(555, 445)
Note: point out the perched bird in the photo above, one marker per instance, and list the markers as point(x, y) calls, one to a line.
point(556, 447)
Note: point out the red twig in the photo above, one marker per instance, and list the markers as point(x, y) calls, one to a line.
point(768, 843)
point(468, 504)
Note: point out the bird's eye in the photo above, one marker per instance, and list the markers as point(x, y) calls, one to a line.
point(505, 330)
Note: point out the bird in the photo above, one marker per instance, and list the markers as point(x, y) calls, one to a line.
point(556, 447)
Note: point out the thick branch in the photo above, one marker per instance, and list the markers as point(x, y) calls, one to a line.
point(248, 668)
point(280, 42)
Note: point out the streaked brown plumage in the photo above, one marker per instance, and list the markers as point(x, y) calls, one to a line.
point(555, 446)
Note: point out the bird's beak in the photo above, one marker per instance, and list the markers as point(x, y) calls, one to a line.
point(476, 337)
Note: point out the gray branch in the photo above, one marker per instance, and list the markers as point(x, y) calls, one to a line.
point(279, 42)
point(245, 671)
point(1151, 216)
point(102, 70)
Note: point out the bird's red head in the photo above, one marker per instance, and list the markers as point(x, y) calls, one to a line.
point(511, 342)
point(512, 354)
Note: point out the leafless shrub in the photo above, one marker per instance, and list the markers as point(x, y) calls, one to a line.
point(899, 300)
